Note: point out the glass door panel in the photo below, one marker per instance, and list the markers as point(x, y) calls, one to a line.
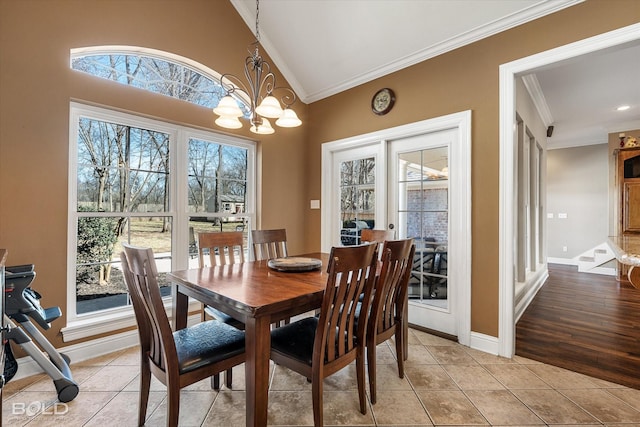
point(419, 201)
point(424, 216)
point(357, 198)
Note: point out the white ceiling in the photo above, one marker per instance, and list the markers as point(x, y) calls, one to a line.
point(323, 47)
point(582, 95)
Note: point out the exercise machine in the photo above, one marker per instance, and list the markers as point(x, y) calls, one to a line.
point(22, 305)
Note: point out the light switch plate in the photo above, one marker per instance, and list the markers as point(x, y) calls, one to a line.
point(314, 204)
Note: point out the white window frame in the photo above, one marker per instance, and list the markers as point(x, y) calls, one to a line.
point(90, 324)
point(460, 195)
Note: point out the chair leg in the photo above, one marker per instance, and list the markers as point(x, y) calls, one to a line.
point(229, 377)
point(145, 385)
point(362, 395)
point(400, 350)
point(316, 396)
point(173, 404)
point(215, 381)
point(371, 368)
point(405, 331)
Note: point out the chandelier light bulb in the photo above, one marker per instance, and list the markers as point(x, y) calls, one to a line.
point(289, 119)
point(269, 107)
point(263, 128)
point(229, 122)
point(228, 107)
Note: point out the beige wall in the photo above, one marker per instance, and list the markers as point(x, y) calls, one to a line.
point(36, 86)
point(464, 79)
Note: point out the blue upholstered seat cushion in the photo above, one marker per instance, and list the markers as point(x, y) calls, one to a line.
point(207, 342)
point(223, 317)
point(296, 339)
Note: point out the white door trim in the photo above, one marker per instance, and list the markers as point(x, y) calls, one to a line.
point(508, 73)
point(460, 121)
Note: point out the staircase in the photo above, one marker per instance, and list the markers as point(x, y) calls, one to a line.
point(592, 260)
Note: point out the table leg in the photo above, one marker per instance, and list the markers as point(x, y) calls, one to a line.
point(258, 348)
point(180, 308)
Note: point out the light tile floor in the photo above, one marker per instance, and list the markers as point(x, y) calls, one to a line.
point(446, 384)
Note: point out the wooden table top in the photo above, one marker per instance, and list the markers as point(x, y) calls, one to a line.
point(253, 288)
point(626, 248)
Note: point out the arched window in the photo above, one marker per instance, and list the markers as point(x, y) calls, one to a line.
point(156, 71)
point(146, 182)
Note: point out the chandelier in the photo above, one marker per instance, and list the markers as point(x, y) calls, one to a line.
point(260, 88)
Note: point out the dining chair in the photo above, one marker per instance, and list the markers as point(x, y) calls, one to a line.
point(221, 248)
point(269, 244)
point(389, 306)
point(369, 235)
point(180, 358)
point(319, 346)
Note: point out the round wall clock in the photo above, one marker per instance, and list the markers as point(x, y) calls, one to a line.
point(382, 102)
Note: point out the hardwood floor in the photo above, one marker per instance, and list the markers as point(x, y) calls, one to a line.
point(588, 323)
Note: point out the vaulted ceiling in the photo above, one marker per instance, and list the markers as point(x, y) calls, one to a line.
point(324, 47)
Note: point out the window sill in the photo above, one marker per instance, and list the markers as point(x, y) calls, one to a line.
point(110, 322)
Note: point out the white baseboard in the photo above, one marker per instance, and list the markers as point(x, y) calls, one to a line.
point(563, 261)
point(607, 271)
point(27, 366)
point(485, 343)
point(534, 286)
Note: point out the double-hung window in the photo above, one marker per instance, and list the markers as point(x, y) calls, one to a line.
point(145, 182)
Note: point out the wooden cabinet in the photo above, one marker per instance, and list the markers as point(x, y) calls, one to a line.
point(628, 190)
point(628, 183)
point(631, 208)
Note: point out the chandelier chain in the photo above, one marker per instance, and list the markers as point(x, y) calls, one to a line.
point(257, 20)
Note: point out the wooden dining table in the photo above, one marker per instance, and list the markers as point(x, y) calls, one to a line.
point(258, 296)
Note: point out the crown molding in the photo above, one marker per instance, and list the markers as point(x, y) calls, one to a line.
point(540, 9)
point(537, 96)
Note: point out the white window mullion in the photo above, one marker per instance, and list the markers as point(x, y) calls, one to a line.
point(88, 324)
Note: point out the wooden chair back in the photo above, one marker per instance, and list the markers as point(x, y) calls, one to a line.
point(389, 306)
point(224, 248)
point(368, 235)
point(379, 236)
point(352, 272)
point(141, 277)
point(269, 244)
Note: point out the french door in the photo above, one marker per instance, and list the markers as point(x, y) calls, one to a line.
point(415, 180)
point(418, 203)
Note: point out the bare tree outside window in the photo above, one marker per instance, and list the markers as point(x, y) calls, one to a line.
point(357, 198)
point(124, 177)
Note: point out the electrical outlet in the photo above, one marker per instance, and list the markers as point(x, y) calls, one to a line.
point(564, 249)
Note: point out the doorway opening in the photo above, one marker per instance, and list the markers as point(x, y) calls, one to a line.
point(508, 159)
